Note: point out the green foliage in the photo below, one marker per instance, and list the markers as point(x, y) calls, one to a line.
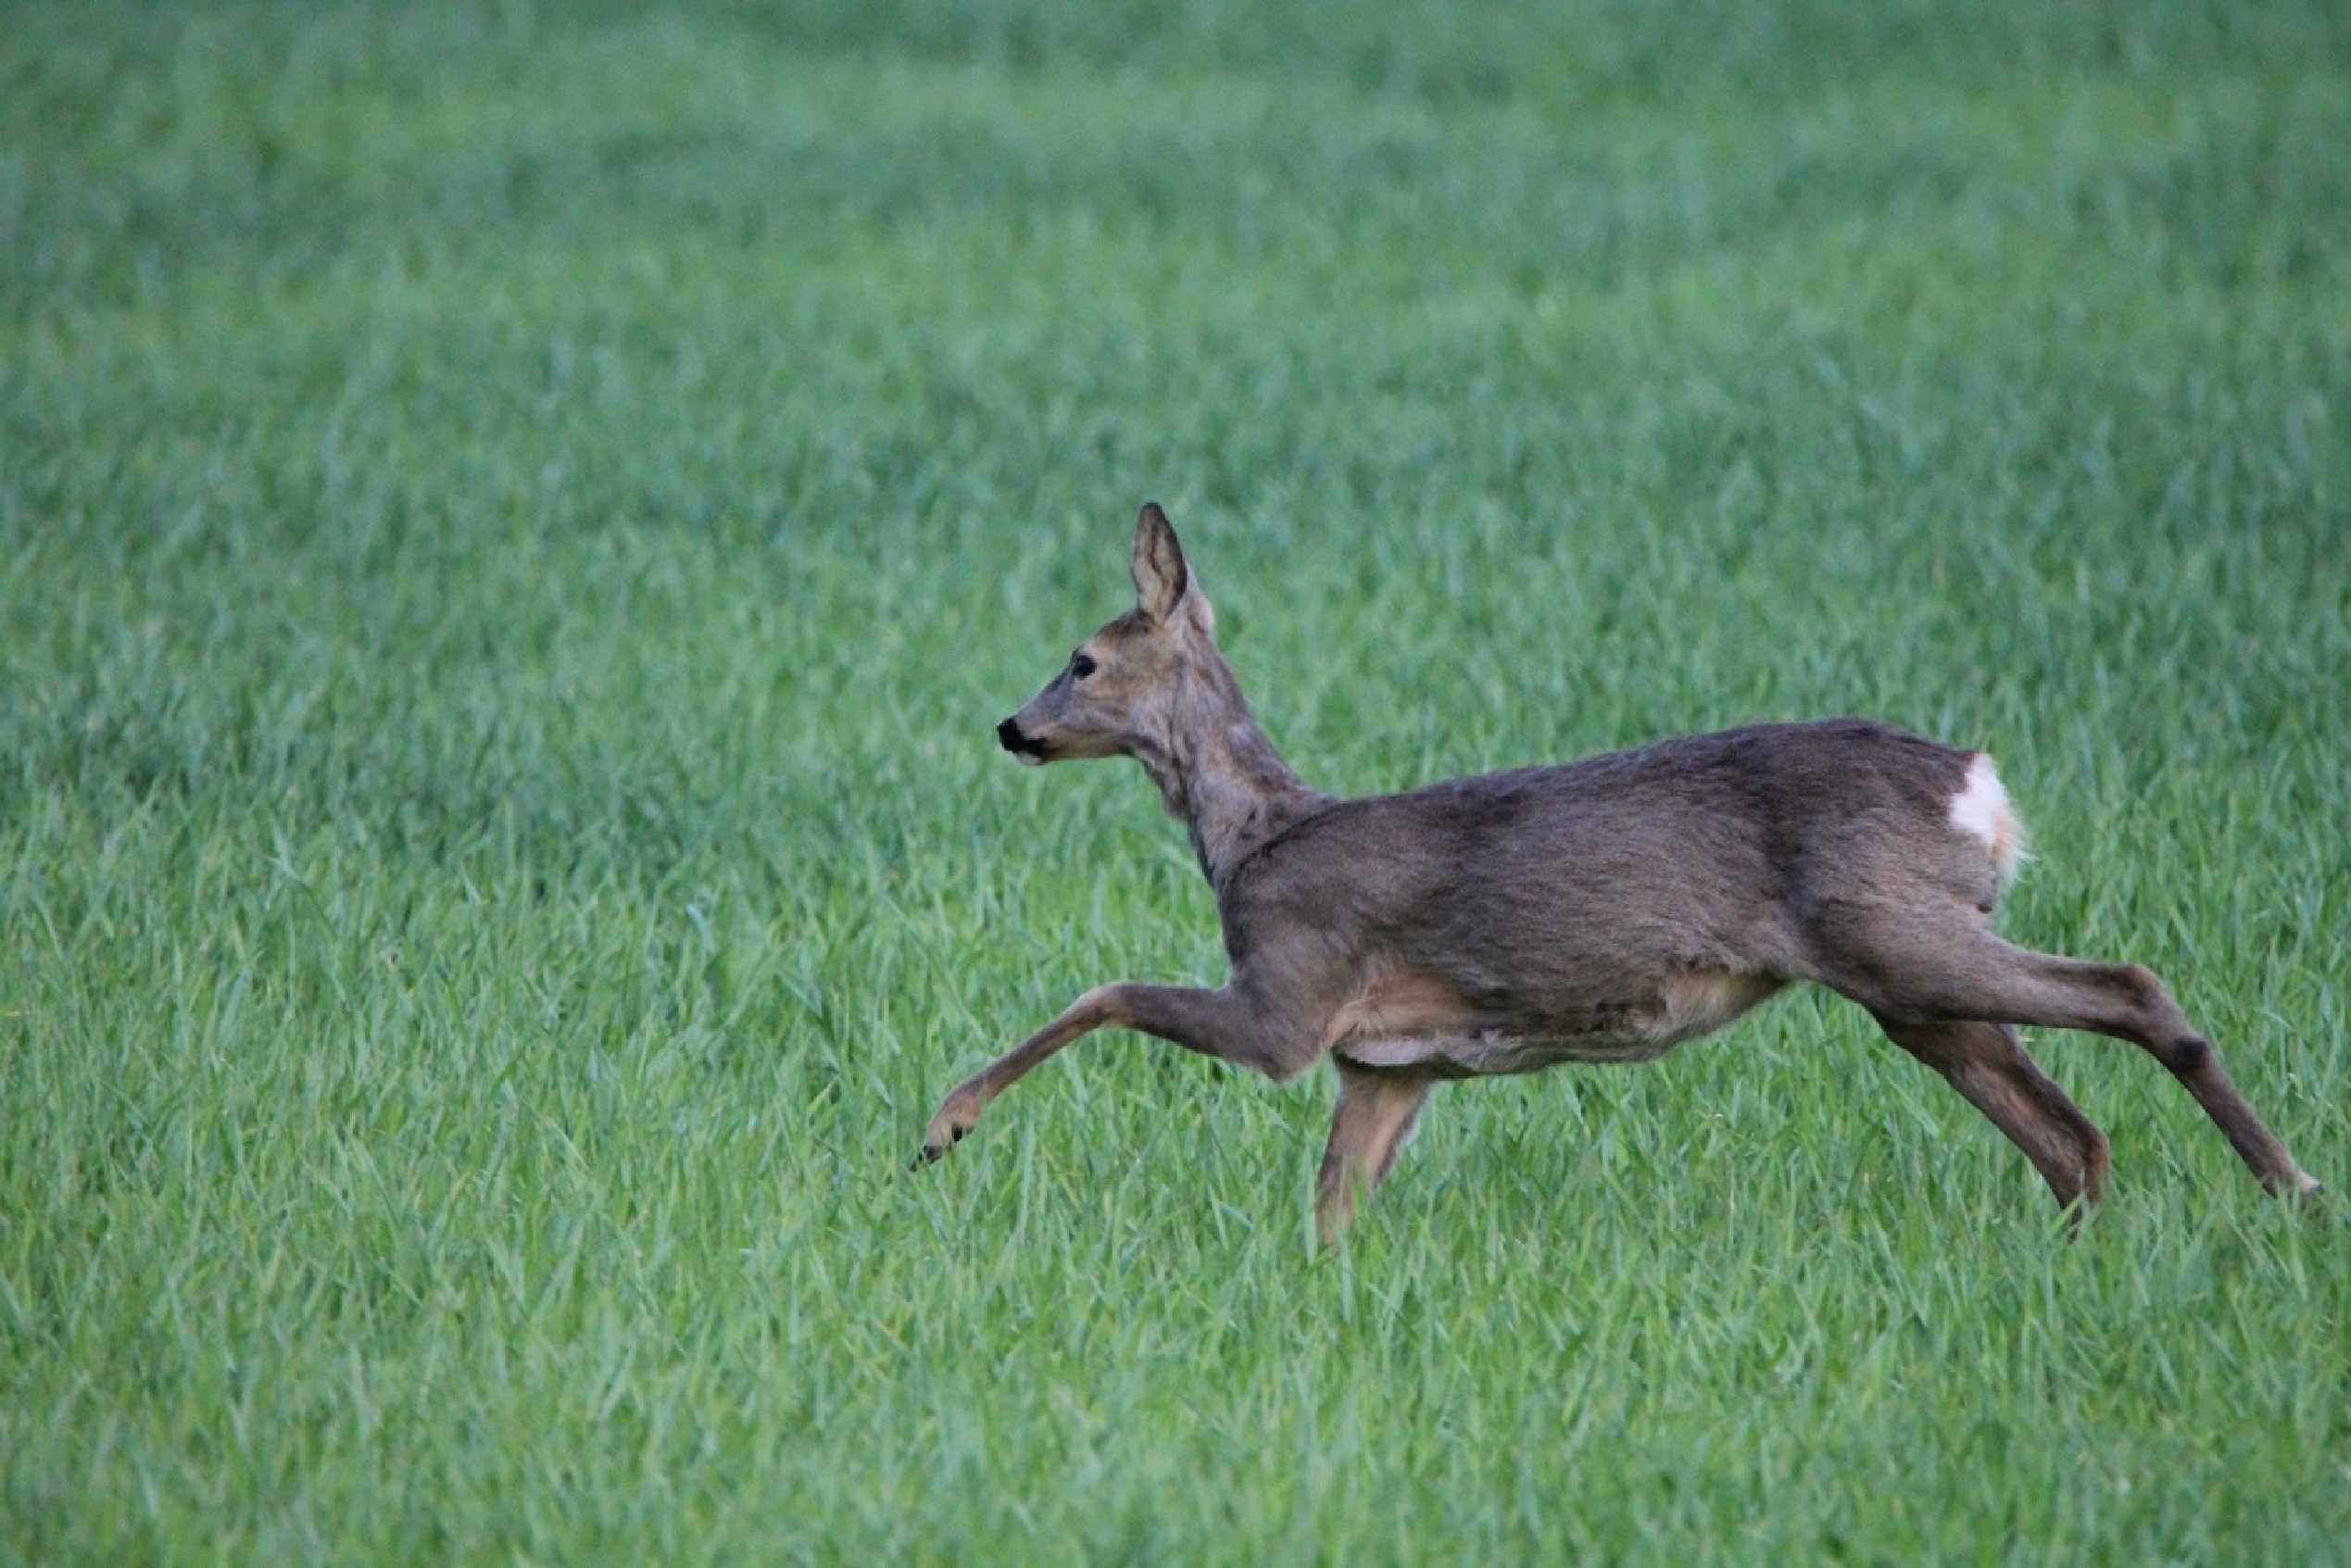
point(515, 526)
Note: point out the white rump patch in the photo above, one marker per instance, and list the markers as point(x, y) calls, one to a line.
point(1982, 810)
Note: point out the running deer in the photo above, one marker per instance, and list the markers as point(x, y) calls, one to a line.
point(1606, 910)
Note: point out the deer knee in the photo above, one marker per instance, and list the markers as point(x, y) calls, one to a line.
point(2188, 1054)
point(2148, 1015)
point(2161, 1026)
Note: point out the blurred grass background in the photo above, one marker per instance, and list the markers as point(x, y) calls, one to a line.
point(516, 522)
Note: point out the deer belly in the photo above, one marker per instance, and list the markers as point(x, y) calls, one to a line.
point(1690, 1004)
point(1491, 1053)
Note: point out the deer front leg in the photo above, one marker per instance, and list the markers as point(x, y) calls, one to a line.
point(1228, 1024)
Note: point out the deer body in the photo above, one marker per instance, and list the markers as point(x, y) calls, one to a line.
point(1602, 911)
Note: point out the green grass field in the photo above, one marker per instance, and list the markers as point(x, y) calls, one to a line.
point(516, 524)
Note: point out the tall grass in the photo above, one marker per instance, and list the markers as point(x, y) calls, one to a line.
point(515, 525)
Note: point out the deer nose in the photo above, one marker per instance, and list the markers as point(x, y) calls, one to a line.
point(1009, 733)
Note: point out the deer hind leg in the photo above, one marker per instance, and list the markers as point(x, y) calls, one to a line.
point(1988, 1065)
point(1939, 976)
point(1375, 1115)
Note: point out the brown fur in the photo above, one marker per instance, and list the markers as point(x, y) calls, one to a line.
point(1398, 1003)
point(1606, 909)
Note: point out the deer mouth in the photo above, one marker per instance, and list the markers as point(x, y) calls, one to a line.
point(1026, 746)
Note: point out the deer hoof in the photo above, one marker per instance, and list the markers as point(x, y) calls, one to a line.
point(933, 1151)
point(955, 1119)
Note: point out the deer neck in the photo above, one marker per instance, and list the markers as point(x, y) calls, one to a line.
point(1220, 776)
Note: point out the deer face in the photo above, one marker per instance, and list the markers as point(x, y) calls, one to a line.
point(1117, 694)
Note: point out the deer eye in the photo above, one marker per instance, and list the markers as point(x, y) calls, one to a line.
point(1080, 666)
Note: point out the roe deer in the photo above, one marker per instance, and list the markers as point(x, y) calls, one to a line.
point(1606, 910)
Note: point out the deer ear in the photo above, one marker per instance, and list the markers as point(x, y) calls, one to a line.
point(1161, 576)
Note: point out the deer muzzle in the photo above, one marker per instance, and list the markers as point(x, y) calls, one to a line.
point(1027, 747)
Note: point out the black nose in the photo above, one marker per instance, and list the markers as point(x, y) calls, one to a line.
point(1009, 733)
